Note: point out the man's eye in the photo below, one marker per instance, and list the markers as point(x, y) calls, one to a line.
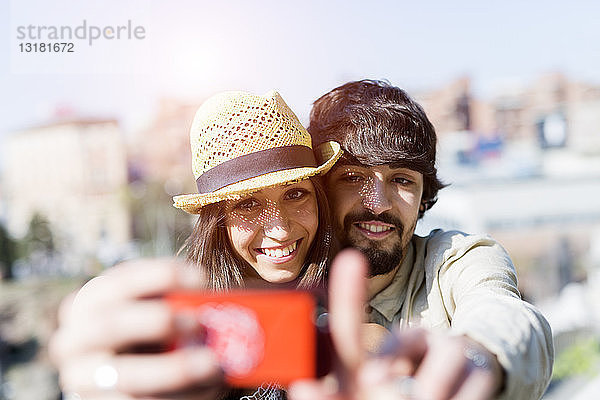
point(295, 194)
point(402, 181)
point(247, 205)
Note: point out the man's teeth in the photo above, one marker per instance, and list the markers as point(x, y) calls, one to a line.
point(374, 228)
point(281, 252)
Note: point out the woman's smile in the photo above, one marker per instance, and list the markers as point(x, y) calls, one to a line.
point(273, 229)
point(279, 254)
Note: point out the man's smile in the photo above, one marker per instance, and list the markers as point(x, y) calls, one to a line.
point(376, 230)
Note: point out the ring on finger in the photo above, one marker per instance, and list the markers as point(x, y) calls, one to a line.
point(479, 359)
point(106, 376)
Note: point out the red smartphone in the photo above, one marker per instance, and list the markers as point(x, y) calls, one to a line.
point(259, 336)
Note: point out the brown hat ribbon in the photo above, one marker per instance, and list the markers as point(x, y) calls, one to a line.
point(255, 164)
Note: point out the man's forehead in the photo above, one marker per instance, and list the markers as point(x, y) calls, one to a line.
point(348, 164)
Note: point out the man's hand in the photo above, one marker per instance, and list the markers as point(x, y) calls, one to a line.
point(105, 327)
point(438, 366)
point(413, 364)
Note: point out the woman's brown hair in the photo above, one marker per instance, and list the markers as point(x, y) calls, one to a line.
point(209, 248)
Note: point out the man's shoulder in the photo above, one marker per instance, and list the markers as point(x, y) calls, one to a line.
point(443, 252)
point(440, 244)
point(440, 237)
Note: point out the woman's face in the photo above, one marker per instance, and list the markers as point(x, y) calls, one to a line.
point(273, 229)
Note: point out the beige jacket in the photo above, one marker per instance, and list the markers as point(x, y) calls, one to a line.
point(467, 283)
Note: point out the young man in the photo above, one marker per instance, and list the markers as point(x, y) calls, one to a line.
point(465, 285)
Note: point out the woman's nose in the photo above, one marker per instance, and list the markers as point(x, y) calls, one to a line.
point(276, 223)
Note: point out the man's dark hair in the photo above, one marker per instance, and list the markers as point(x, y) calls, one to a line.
point(377, 123)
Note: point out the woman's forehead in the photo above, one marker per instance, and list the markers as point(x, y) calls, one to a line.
point(278, 190)
point(272, 193)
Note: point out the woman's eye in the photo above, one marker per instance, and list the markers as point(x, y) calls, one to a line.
point(352, 178)
point(247, 205)
point(295, 194)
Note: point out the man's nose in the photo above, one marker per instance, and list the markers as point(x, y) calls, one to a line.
point(375, 197)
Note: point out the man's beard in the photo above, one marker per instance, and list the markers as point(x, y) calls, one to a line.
point(381, 261)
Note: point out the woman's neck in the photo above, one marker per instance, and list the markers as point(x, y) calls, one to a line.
point(259, 283)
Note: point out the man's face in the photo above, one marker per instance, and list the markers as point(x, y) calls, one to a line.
point(375, 209)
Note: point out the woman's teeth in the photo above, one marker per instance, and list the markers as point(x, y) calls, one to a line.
point(280, 252)
point(374, 228)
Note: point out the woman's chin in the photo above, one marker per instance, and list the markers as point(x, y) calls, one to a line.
point(273, 279)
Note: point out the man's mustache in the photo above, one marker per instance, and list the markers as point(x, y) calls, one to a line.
point(366, 215)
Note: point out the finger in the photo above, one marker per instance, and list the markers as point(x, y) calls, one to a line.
point(479, 384)
point(442, 370)
point(147, 375)
point(114, 330)
point(112, 395)
point(138, 279)
point(97, 396)
point(169, 372)
point(198, 393)
point(64, 309)
point(347, 294)
point(406, 350)
point(485, 375)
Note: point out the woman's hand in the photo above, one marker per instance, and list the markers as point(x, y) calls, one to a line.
point(106, 331)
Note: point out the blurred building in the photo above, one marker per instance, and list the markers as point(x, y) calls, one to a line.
point(552, 112)
point(161, 152)
point(160, 167)
point(73, 173)
point(523, 166)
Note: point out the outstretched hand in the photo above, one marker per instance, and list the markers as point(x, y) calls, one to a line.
point(413, 364)
point(103, 328)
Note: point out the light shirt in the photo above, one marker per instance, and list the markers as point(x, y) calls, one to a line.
point(468, 284)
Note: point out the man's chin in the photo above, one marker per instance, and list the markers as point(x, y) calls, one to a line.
point(388, 245)
point(381, 262)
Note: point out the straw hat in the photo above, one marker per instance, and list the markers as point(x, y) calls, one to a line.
point(242, 143)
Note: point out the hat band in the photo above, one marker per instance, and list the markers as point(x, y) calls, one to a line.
point(255, 164)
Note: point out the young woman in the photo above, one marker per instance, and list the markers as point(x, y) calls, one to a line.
point(263, 220)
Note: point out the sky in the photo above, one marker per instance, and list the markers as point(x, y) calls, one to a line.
point(192, 49)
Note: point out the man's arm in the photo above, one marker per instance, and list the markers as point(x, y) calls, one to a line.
point(439, 366)
point(478, 285)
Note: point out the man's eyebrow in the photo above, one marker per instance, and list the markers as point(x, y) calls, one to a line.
point(401, 166)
